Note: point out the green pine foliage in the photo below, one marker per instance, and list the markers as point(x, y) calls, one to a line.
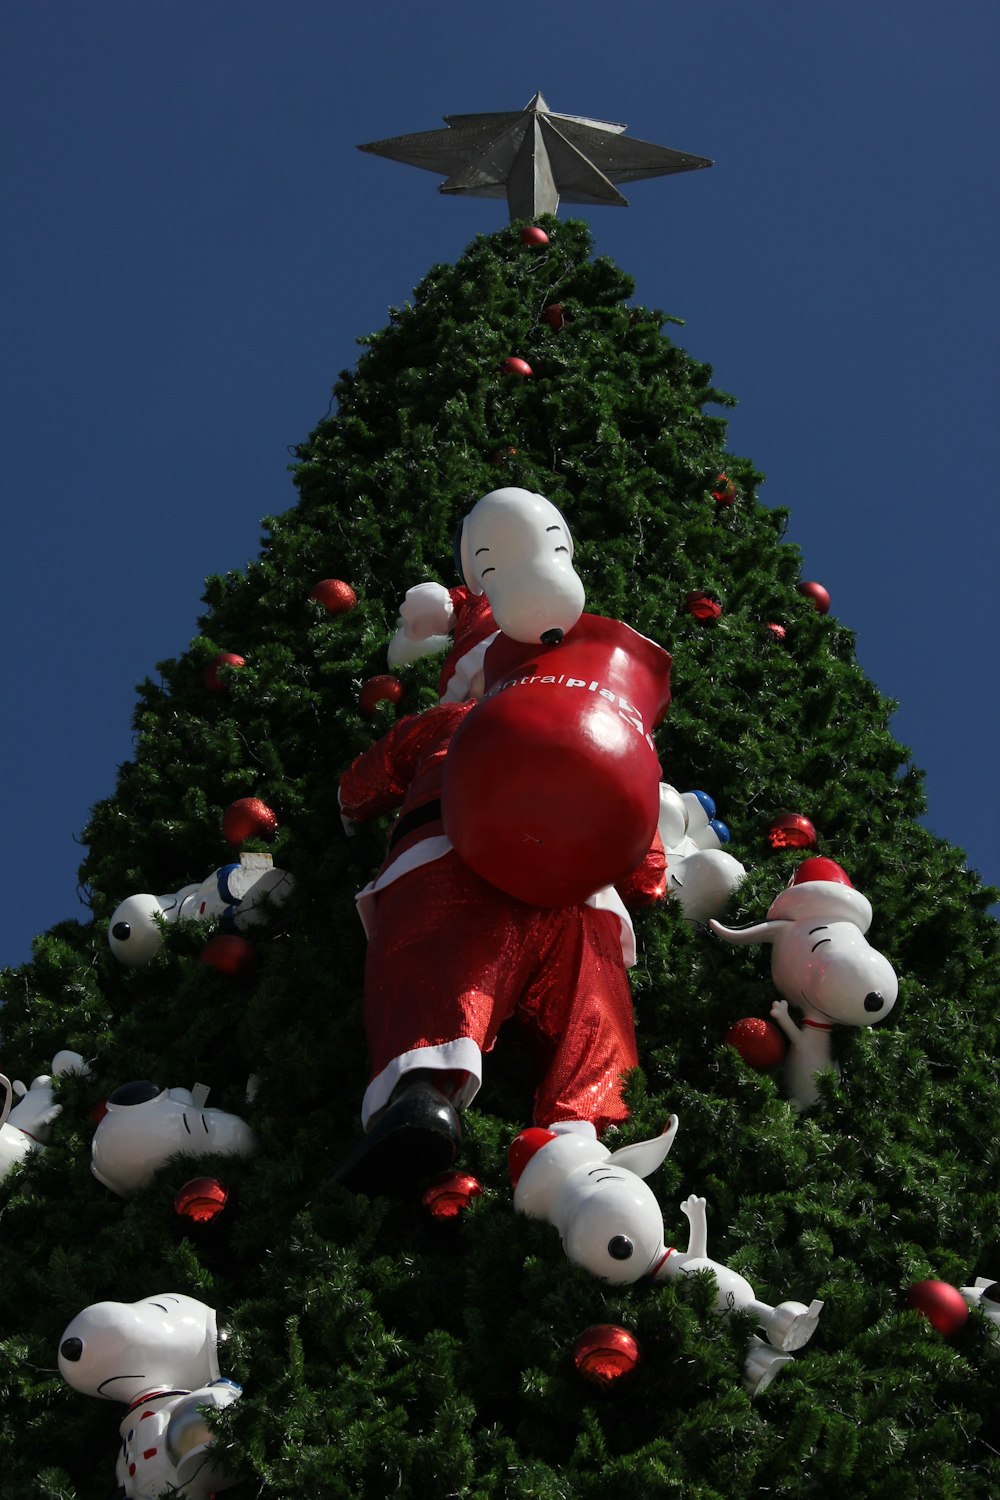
point(383, 1353)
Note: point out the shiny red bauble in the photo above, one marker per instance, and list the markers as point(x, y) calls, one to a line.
point(759, 1042)
point(606, 1355)
point(201, 1200)
point(702, 606)
point(776, 631)
point(382, 689)
point(450, 1195)
point(229, 954)
point(513, 365)
point(942, 1305)
point(818, 594)
point(555, 316)
point(791, 831)
point(248, 818)
point(724, 490)
point(534, 237)
point(213, 681)
point(336, 596)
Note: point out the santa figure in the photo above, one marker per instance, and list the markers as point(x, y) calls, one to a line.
point(471, 920)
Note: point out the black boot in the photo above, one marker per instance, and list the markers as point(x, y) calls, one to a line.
point(416, 1136)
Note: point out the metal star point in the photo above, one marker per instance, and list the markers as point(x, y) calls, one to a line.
point(533, 157)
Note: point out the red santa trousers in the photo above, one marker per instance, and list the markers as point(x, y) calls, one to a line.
point(450, 958)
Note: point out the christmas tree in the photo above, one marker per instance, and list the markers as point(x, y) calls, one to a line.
point(383, 1350)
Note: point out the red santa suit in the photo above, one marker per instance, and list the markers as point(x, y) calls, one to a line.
point(451, 957)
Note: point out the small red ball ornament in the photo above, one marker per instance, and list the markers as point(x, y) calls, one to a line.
point(791, 831)
point(942, 1305)
point(336, 596)
point(450, 1195)
point(776, 631)
point(513, 365)
point(229, 954)
point(818, 594)
point(606, 1355)
point(213, 681)
point(702, 606)
point(724, 491)
point(534, 237)
point(201, 1200)
point(555, 316)
point(382, 689)
point(248, 818)
point(759, 1042)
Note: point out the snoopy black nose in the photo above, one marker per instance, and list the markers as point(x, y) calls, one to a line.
point(874, 1001)
point(552, 637)
point(71, 1349)
point(121, 931)
point(620, 1247)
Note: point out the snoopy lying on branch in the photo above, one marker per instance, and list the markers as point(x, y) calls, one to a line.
point(610, 1223)
point(822, 964)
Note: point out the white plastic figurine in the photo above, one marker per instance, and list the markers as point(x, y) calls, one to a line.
point(235, 892)
point(701, 874)
point(145, 1126)
point(160, 1357)
point(26, 1126)
point(610, 1223)
point(985, 1294)
point(822, 964)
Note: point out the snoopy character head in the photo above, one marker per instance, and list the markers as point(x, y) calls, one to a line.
point(122, 1350)
point(515, 547)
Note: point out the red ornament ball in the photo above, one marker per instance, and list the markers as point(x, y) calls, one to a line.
point(450, 1194)
point(336, 596)
point(941, 1304)
point(513, 365)
point(724, 491)
point(818, 594)
point(791, 831)
point(534, 237)
point(702, 606)
point(229, 954)
point(383, 689)
point(201, 1200)
point(213, 681)
point(606, 1355)
point(759, 1042)
point(248, 818)
point(555, 316)
point(776, 631)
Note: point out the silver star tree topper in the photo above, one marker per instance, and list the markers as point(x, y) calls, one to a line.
point(534, 157)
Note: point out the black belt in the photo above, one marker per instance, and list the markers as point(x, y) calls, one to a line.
point(428, 812)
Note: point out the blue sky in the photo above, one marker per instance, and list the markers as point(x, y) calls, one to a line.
point(192, 245)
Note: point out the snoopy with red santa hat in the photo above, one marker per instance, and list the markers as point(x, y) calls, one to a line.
point(822, 964)
point(160, 1357)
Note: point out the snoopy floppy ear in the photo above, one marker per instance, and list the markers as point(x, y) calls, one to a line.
point(644, 1157)
point(758, 932)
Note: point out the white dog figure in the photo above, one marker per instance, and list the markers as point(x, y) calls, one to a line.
point(27, 1125)
point(144, 1126)
point(515, 547)
point(822, 964)
point(160, 1357)
point(235, 892)
point(985, 1294)
point(701, 874)
point(610, 1223)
